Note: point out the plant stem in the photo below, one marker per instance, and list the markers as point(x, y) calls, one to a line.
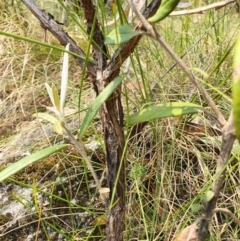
point(80, 148)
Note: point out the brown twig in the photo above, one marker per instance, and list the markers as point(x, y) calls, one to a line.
point(228, 139)
point(200, 10)
point(52, 26)
point(227, 211)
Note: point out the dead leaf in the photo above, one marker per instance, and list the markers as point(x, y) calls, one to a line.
point(101, 220)
point(188, 234)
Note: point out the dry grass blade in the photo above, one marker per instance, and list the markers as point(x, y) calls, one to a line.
point(227, 211)
point(200, 10)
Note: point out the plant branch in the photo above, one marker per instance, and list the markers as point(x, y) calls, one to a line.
point(227, 211)
point(48, 22)
point(112, 117)
point(93, 28)
point(228, 139)
point(80, 148)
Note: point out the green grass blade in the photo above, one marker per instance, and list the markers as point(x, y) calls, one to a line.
point(45, 45)
point(102, 97)
point(47, 117)
point(24, 162)
point(162, 111)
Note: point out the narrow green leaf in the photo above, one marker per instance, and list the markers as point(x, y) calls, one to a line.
point(102, 97)
point(47, 117)
point(57, 127)
point(162, 111)
point(121, 35)
point(209, 196)
point(28, 160)
point(15, 36)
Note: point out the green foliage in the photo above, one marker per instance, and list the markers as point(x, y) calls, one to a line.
point(159, 111)
point(49, 46)
point(96, 105)
point(59, 103)
point(121, 35)
point(195, 207)
point(64, 80)
point(166, 7)
point(236, 88)
point(28, 160)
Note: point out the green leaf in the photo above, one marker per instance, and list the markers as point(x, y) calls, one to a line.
point(196, 207)
point(236, 88)
point(209, 196)
point(166, 7)
point(57, 127)
point(121, 35)
point(28, 160)
point(162, 111)
point(47, 117)
point(102, 97)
